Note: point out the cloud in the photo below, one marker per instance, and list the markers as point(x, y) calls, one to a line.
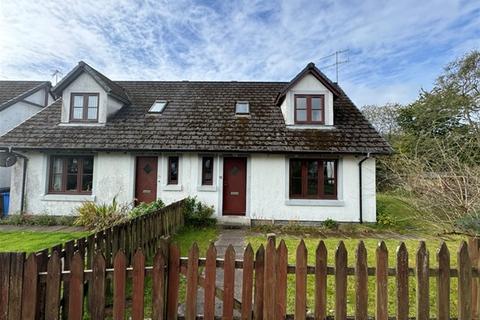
point(395, 47)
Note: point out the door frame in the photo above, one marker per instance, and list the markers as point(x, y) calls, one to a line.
point(134, 173)
point(248, 184)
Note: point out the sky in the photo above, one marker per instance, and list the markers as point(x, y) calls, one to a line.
point(395, 48)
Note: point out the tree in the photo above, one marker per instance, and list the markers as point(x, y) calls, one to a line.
point(384, 118)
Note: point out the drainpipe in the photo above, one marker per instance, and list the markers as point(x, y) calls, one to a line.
point(360, 193)
point(24, 178)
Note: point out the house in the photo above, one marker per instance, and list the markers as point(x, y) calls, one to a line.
point(19, 100)
point(277, 151)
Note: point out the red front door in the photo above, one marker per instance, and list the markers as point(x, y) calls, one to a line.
point(234, 186)
point(146, 179)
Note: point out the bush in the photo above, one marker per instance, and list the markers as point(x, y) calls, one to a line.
point(146, 208)
point(197, 213)
point(330, 224)
point(100, 216)
point(37, 220)
point(469, 224)
point(384, 218)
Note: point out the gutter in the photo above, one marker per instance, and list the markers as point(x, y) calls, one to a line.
point(360, 190)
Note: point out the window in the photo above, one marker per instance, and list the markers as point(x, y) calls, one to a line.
point(84, 107)
point(158, 106)
point(310, 109)
point(242, 107)
point(172, 170)
point(72, 175)
point(313, 179)
point(207, 171)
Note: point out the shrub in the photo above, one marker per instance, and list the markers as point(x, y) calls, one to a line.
point(197, 213)
point(100, 216)
point(330, 224)
point(384, 218)
point(469, 223)
point(37, 220)
point(146, 208)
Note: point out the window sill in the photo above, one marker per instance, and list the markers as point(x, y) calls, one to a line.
point(68, 197)
point(82, 124)
point(311, 126)
point(172, 187)
point(207, 188)
point(315, 202)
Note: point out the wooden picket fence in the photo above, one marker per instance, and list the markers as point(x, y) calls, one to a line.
point(120, 291)
point(144, 232)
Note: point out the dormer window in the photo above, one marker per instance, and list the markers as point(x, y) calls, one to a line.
point(309, 109)
point(84, 107)
point(158, 106)
point(242, 108)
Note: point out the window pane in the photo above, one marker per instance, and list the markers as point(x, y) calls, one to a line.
point(296, 186)
point(87, 182)
point(173, 170)
point(72, 165)
point(72, 182)
point(312, 178)
point(301, 103)
point(301, 115)
point(77, 113)
point(57, 165)
point(317, 103)
point(241, 107)
point(329, 177)
point(92, 101)
point(296, 168)
point(88, 166)
point(316, 115)
point(296, 177)
point(92, 113)
point(207, 171)
point(78, 101)
point(57, 182)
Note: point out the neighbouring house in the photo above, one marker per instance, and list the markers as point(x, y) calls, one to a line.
point(19, 100)
point(276, 151)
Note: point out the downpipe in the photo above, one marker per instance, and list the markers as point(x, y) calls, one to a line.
point(360, 188)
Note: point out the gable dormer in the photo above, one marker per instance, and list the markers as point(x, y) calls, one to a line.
point(88, 97)
point(307, 100)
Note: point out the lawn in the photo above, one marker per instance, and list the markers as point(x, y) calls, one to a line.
point(30, 241)
point(402, 225)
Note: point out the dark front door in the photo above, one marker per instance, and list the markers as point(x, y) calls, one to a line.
point(234, 186)
point(146, 179)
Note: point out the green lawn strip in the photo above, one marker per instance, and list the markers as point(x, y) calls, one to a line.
point(30, 241)
point(371, 244)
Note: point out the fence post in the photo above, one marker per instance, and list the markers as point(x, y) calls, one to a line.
point(210, 274)
point(281, 285)
point(259, 282)
point(473, 251)
point(301, 281)
point(443, 283)
point(361, 283)
point(382, 282)
point(270, 275)
point(402, 282)
point(422, 271)
point(321, 281)
point(29, 295)
point(341, 282)
point(247, 283)
point(464, 283)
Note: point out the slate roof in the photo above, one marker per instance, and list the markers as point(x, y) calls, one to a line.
point(14, 91)
point(200, 117)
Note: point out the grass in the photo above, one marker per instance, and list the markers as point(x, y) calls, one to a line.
point(30, 241)
point(371, 244)
point(401, 222)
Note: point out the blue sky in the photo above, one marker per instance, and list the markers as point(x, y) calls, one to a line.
point(395, 47)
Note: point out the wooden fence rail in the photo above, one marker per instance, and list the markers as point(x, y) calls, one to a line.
point(168, 285)
point(50, 268)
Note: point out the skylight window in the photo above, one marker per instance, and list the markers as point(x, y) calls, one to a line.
point(158, 106)
point(242, 107)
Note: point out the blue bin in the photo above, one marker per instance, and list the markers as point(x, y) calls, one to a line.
point(6, 202)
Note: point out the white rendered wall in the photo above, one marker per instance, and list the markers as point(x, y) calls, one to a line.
point(307, 85)
point(84, 83)
point(113, 177)
point(270, 201)
point(267, 187)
